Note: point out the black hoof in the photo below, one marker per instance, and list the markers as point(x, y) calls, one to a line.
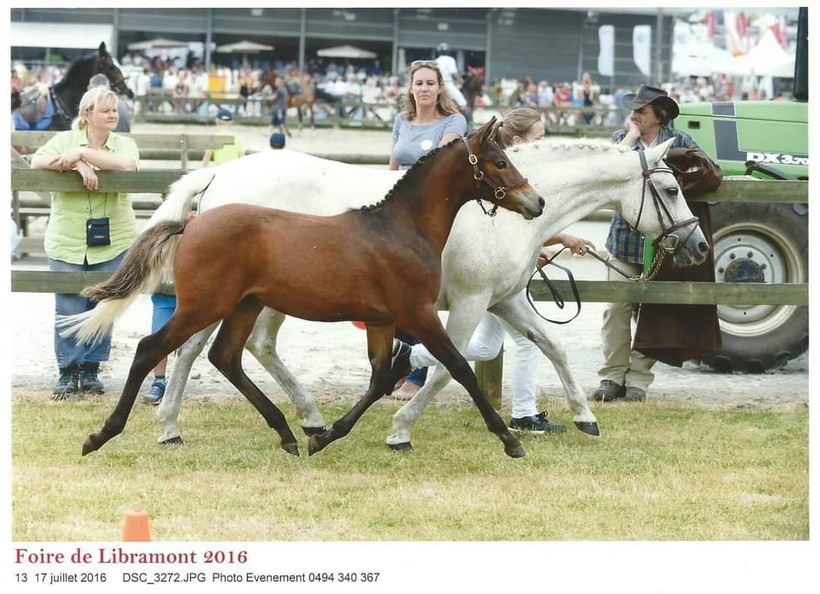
point(313, 430)
point(172, 441)
point(515, 451)
point(315, 444)
point(588, 428)
point(90, 445)
point(291, 448)
point(401, 447)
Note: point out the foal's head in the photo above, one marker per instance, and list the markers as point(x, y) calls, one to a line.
point(497, 179)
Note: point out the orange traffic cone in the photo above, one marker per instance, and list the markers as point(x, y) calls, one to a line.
point(135, 527)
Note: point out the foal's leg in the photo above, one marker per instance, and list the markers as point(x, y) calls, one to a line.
point(262, 345)
point(518, 313)
point(168, 410)
point(465, 315)
point(150, 351)
point(428, 329)
point(379, 348)
point(226, 356)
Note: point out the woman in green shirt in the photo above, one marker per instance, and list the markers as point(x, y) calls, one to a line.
point(87, 230)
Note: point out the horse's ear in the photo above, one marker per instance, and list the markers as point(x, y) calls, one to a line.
point(656, 153)
point(487, 131)
point(102, 51)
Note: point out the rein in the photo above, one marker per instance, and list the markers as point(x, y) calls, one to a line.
point(500, 192)
point(556, 296)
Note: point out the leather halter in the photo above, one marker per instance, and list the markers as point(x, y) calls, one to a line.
point(665, 241)
point(500, 192)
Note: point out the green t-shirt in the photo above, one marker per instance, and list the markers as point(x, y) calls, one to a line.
point(229, 152)
point(65, 238)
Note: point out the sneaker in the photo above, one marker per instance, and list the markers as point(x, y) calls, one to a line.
point(608, 391)
point(89, 382)
point(634, 394)
point(68, 383)
point(535, 424)
point(156, 392)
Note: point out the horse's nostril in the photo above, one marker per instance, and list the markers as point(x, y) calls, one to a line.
point(703, 247)
point(541, 202)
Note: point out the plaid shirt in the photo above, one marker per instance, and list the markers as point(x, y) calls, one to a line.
point(624, 242)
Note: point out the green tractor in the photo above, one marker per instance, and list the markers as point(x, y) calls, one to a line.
point(759, 242)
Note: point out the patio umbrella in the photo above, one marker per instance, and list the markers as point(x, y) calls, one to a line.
point(157, 43)
point(244, 47)
point(346, 51)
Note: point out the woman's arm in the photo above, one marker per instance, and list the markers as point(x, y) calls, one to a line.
point(448, 137)
point(393, 164)
point(71, 158)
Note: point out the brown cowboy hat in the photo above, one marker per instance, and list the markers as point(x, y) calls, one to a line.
point(647, 95)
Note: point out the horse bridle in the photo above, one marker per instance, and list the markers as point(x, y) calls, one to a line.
point(500, 192)
point(665, 242)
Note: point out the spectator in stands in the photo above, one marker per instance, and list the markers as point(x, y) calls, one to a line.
point(545, 94)
point(88, 230)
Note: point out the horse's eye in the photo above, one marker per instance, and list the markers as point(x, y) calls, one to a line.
point(500, 164)
point(672, 192)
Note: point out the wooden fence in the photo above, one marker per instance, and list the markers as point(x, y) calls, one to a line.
point(157, 181)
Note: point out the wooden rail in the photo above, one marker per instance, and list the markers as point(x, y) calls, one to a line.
point(177, 146)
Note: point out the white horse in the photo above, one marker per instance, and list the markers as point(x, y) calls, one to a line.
point(575, 178)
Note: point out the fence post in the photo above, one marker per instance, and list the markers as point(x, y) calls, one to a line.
point(490, 374)
point(183, 148)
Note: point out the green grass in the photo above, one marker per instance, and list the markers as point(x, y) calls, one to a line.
point(658, 472)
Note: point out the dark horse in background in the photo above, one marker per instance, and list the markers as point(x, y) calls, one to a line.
point(301, 95)
point(56, 109)
point(471, 88)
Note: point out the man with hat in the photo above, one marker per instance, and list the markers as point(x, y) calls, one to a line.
point(627, 373)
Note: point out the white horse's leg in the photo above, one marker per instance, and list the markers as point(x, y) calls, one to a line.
point(262, 345)
point(518, 313)
point(168, 410)
point(462, 321)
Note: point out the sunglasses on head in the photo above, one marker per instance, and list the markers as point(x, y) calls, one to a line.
point(424, 64)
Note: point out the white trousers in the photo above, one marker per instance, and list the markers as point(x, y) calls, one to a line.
point(455, 94)
point(485, 345)
point(623, 365)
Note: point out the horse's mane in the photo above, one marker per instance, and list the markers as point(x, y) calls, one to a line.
point(558, 148)
point(410, 177)
point(74, 71)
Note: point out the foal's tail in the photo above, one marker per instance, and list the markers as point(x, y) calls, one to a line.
point(181, 194)
point(141, 271)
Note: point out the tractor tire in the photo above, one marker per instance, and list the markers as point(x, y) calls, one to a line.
point(760, 243)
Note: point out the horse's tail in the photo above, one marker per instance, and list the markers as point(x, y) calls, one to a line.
point(181, 194)
point(141, 271)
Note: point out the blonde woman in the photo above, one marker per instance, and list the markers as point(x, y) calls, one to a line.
point(87, 230)
point(429, 120)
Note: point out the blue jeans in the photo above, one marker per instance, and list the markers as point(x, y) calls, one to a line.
point(67, 349)
point(164, 306)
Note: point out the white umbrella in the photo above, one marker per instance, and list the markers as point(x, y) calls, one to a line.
point(244, 47)
point(157, 43)
point(345, 51)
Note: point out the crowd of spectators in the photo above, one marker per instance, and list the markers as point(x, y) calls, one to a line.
point(364, 91)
